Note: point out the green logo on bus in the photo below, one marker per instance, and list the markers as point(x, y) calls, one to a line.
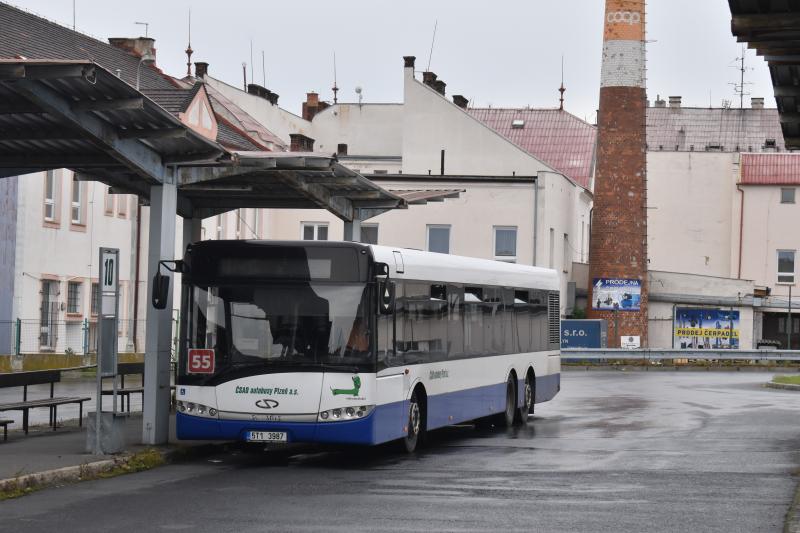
point(352, 392)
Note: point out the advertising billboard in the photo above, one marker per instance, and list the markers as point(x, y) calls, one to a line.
point(706, 329)
point(583, 333)
point(620, 294)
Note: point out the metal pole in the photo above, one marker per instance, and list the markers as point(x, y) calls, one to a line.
point(789, 321)
point(18, 340)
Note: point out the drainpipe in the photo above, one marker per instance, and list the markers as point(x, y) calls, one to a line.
point(741, 227)
point(535, 217)
point(136, 275)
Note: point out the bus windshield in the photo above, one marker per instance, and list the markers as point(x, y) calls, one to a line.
point(297, 326)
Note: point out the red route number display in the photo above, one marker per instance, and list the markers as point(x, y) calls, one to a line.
point(201, 361)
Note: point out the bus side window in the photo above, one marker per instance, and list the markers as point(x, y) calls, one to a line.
point(455, 322)
point(539, 323)
point(473, 321)
point(522, 318)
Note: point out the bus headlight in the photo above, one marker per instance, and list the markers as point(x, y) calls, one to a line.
point(196, 409)
point(344, 414)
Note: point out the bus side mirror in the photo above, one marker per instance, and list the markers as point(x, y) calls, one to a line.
point(160, 290)
point(386, 297)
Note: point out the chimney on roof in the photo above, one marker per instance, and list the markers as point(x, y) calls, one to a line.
point(757, 103)
point(300, 143)
point(428, 78)
point(460, 101)
point(139, 46)
point(675, 102)
point(313, 105)
point(408, 61)
point(660, 103)
point(262, 92)
point(439, 86)
point(200, 69)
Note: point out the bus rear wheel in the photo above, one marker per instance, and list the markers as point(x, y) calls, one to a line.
point(506, 418)
point(521, 415)
point(415, 424)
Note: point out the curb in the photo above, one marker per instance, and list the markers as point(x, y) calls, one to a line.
point(90, 471)
point(784, 386)
point(791, 523)
point(67, 474)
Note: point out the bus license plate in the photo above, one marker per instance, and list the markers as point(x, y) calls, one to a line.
point(266, 436)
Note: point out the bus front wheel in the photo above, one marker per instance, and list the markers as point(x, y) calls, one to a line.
point(415, 423)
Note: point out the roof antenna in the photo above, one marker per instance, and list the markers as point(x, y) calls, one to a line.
point(252, 68)
point(146, 26)
point(562, 89)
point(189, 50)
point(73, 15)
point(335, 87)
point(263, 70)
point(244, 74)
point(738, 88)
point(430, 56)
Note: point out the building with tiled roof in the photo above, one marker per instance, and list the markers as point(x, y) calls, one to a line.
point(554, 136)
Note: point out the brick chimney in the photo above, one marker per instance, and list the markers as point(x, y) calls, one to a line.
point(300, 143)
point(428, 78)
point(262, 92)
point(200, 69)
point(139, 46)
point(439, 86)
point(408, 61)
point(313, 105)
point(460, 101)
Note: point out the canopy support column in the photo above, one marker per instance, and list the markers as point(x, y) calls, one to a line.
point(155, 423)
point(352, 230)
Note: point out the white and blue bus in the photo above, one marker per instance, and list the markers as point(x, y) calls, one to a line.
point(350, 343)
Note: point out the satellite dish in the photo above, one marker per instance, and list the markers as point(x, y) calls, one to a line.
point(358, 89)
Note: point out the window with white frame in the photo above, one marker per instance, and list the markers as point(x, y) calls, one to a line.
point(314, 231)
point(438, 238)
point(786, 266)
point(76, 211)
point(787, 196)
point(505, 243)
point(73, 297)
point(369, 233)
point(50, 196)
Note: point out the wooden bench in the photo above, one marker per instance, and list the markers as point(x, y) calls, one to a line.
point(127, 369)
point(24, 379)
point(5, 424)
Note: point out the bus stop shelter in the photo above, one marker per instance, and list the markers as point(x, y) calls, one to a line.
point(80, 116)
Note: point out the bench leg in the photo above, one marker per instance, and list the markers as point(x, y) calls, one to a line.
point(25, 420)
point(80, 414)
point(55, 416)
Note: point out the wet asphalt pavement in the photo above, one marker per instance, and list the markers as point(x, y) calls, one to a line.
point(615, 451)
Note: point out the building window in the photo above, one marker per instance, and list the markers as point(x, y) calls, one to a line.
point(122, 206)
point(787, 196)
point(109, 202)
point(439, 239)
point(786, 266)
point(314, 231)
point(95, 304)
point(50, 196)
point(76, 211)
point(341, 149)
point(369, 233)
point(505, 243)
point(73, 297)
point(567, 255)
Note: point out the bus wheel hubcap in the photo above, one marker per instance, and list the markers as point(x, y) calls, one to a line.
point(413, 425)
point(528, 394)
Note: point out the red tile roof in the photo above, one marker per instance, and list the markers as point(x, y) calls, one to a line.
point(555, 137)
point(770, 169)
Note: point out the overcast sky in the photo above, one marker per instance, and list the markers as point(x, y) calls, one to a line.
point(503, 53)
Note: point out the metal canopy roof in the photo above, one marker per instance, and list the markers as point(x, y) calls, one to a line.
point(77, 115)
point(772, 27)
